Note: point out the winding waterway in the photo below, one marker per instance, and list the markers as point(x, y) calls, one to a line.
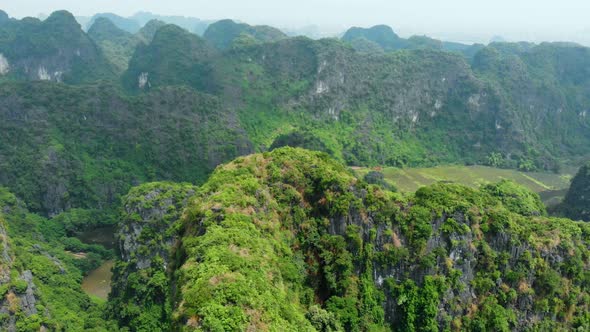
point(98, 281)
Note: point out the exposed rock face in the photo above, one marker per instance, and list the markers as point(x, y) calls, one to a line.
point(143, 80)
point(461, 260)
point(8, 301)
point(419, 92)
point(19, 295)
point(151, 209)
point(448, 257)
point(55, 49)
point(4, 65)
point(147, 235)
point(28, 299)
point(5, 257)
point(173, 57)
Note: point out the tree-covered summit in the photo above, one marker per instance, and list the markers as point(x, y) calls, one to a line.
point(289, 239)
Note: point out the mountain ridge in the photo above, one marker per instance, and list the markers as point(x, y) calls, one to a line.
point(192, 149)
point(290, 239)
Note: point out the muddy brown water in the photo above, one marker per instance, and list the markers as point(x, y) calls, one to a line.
point(98, 281)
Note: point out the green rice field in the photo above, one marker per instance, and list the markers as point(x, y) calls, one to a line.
point(550, 186)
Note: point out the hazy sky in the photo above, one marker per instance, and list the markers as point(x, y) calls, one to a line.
point(469, 20)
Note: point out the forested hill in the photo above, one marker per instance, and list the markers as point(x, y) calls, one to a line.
point(55, 49)
point(289, 240)
point(65, 146)
point(191, 148)
point(509, 105)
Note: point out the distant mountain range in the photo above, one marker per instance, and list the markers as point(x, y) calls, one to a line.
point(135, 122)
point(370, 98)
point(133, 23)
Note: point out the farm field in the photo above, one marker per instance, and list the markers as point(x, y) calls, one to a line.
point(550, 186)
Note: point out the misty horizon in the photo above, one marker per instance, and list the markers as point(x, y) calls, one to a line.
point(458, 21)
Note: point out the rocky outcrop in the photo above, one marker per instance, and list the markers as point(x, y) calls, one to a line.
point(147, 235)
point(5, 256)
point(382, 35)
point(17, 290)
point(448, 257)
point(55, 49)
point(149, 213)
point(39, 280)
point(173, 57)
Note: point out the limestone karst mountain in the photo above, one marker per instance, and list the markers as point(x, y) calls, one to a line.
point(190, 148)
point(55, 49)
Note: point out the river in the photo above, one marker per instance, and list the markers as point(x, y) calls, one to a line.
point(105, 236)
point(98, 281)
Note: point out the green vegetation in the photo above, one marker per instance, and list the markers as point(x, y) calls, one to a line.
point(576, 204)
point(411, 179)
point(123, 23)
point(305, 140)
point(266, 245)
point(61, 149)
point(289, 239)
point(382, 35)
point(381, 38)
point(272, 92)
point(223, 34)
point(54, 49)
point(40, 275)
point(147, 33)
point(117, 45)
point(516, 198)
point(174, 57)
point(139, 297)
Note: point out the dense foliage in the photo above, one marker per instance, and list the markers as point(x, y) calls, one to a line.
point(226, 33)
point(139, 298)
point(55, 49)
point(84, 147)
point(290, 240)
point(117, 45)
point(383, 38)
point(576, 204)
point(287, 239)
point(174, 57)
point(40, 274)
point(514, 105)
point(517, 198)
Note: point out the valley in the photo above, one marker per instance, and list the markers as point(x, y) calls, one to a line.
point(167, 173)
point(97, 282)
